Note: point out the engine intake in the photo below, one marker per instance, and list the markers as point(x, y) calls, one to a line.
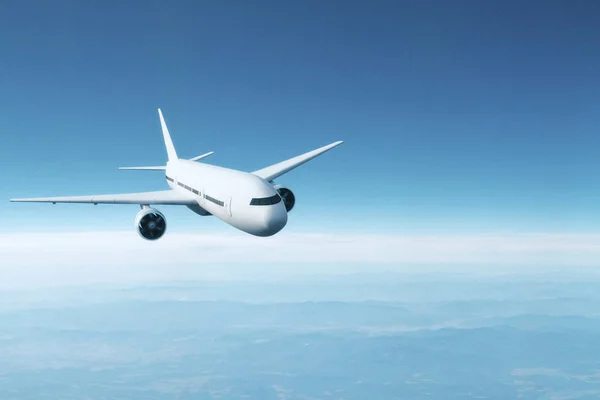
point(289, 199)
point(150, 224)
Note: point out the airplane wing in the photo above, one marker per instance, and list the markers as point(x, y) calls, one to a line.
point(166, 197)
point(276, 170)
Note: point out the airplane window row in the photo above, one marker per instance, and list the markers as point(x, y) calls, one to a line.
point(186, 187)
point(266, 201)
point(217, 202)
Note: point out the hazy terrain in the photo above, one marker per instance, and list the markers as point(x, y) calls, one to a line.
point(364, 336)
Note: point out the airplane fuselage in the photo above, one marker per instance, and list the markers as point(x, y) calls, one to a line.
point(240, 199)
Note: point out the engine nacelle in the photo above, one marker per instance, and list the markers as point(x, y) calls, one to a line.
point(150, 223)
point(289, 199)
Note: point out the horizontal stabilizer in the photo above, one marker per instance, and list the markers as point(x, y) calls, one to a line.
point(157, 168)
point(202, 156)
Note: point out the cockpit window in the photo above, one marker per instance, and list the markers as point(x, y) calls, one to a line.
point(266, 201)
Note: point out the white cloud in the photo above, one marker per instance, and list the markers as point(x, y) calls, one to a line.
point(124, 255)
point(126, 248)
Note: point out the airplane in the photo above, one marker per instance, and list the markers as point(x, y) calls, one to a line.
point(251, 202)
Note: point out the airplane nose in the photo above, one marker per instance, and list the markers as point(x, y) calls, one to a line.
point(275, 219)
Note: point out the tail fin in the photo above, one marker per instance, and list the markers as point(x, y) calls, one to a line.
point(171, 153)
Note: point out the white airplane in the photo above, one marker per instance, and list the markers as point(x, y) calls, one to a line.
point(250, 202)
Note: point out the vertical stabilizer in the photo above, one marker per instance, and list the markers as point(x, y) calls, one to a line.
point(171, 153)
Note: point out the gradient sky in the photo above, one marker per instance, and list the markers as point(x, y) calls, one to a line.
point(458, 117)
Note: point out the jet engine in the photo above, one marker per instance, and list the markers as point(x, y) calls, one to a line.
point(150, 223)
point(287, 195)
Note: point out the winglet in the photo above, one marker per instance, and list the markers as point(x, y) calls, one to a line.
point(171, 153)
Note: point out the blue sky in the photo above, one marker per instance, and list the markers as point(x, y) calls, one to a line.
point(458, 117)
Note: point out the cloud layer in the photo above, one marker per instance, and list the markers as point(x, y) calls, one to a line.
point(51, 259)
point(86, 249)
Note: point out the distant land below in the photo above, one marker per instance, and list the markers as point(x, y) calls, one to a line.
point(359, 336)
